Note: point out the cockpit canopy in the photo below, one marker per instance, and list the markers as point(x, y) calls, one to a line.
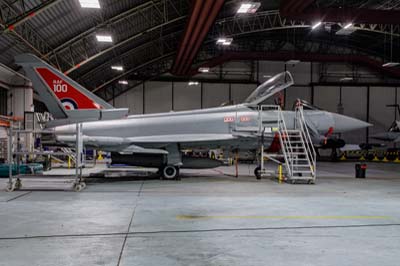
point(270, 87)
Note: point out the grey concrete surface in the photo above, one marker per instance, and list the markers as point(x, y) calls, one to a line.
point(209, 218)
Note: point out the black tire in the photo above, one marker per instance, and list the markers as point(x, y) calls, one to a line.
point(257, 172)
point(170, 172)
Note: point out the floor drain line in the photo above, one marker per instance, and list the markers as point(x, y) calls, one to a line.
point(129, 226)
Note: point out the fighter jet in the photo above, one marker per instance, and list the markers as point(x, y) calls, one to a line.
point(157, 140)
point(393, 133)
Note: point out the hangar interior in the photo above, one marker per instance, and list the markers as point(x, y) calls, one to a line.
point(199, 132)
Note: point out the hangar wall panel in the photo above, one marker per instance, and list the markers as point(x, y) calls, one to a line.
point(300, 72)
point(326, 98)
point(215, 94)
point(135, 98)
point(186, 97)
point(157, 97)
point(270, 68)
point(293, 93)
point(132, 99)
point(236, 70)
point(381, 116)
point(354, 101)
point(240, 92)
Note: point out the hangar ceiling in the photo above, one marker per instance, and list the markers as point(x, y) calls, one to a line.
point(151, 38)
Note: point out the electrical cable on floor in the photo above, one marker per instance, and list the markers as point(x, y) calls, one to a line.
point(140, 233)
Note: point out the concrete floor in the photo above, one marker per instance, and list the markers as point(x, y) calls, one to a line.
point(209, 218)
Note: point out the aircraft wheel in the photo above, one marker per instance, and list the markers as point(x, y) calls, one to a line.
point(170, 172)
point(83, 185)
point(79, 187)
point(257, 172)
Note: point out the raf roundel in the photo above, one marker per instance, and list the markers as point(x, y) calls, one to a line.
point(69, 104)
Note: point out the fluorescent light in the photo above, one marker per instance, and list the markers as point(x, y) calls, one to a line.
point(193, 83)
point(348, 25)
point(391, 64)
point(249, 8)
point(204, 69)
point(118, 68)
point(316, 25)
point(104, 38)
point(292, 62)
point(346, 79)
point(89, 3)
point(123, 82)
point(224, 41)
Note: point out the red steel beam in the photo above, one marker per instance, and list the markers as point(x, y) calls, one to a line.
point(194, 35)
point(305, 57)
point(211, 15)
point(197, 6)
point(202, 16)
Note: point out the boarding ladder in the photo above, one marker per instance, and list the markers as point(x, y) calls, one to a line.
point(297, 148)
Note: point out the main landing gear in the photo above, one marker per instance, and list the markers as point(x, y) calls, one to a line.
point(170, 172)
point(257, 172)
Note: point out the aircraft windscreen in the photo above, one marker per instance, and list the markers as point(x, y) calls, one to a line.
point(270, 87)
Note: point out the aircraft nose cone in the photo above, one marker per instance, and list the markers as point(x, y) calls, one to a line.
point(345, 123)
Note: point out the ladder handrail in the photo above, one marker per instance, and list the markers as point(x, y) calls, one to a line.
point(287, 147)
point(306, 139)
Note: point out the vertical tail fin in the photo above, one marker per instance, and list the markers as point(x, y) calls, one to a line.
point(64, 97)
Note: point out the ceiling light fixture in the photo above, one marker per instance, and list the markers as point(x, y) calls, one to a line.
point(391, 64)
point(118, 68)
point(123, 82)
point(224, 41)
point(193, 83)
point(316, 25)
point(348, 25)
point(204, 69)
point(89, 3)
point(292, 62)
point(104, 38)
point(346, 79)
point(248, 8)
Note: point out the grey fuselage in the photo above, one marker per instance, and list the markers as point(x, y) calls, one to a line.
point(231, 127)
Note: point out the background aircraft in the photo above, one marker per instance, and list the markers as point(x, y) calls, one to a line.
point(393, 133)
point(156, 140)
